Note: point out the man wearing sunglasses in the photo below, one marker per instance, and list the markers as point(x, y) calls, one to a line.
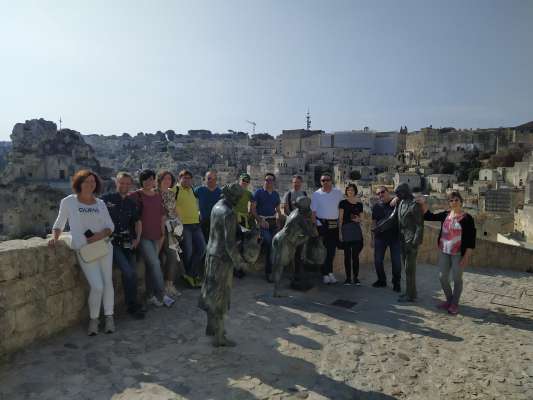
point(265, 207)
point(380, 241)
point(325, 205)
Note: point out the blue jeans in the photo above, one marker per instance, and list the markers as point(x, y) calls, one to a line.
point(124, 259)
point(154, 275)
point(267, 234)
point(380, 247)
point(193, 248)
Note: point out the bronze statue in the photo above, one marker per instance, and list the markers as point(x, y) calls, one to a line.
point(298, 228)
point(408, 215)
point(227, 248)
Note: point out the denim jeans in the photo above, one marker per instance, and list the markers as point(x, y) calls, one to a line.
point(380, 247)
point(124, 259)
point(154, 275)
point(267, 234)
point(450, 263)
point(193, 249)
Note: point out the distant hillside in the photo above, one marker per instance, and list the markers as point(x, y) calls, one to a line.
point(528, 126)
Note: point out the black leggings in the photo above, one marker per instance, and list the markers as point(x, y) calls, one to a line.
point(351, 258)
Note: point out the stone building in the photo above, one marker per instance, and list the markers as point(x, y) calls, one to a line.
point(412, 179)
point(441, 182)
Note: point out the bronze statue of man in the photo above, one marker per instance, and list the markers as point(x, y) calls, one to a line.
point(408, 215)
point(227, 249)
point(411, 224)
point(298, 228)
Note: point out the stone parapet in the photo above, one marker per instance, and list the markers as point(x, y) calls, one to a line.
point(42, 292)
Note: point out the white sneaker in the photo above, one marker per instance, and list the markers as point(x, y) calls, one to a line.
point(109, 324)
point(154, 301)
point(171, 291)
point(332, 278)
point(327, 280)
point(168, 301)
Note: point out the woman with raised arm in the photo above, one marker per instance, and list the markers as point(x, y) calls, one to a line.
point(457, 239)
point(89, 223)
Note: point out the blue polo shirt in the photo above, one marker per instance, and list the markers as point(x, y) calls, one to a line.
point(266, 202)
point(207, 200)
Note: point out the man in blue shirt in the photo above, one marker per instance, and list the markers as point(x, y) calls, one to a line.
point(265, 207)
point(207, 196)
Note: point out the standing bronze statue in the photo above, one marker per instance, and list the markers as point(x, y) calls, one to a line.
point(411, 224)
point(298, 228)
point(227, 248)
point(410, 221)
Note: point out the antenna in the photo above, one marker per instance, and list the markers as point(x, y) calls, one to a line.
point(308, 120)
point(60, 122)
point(253, 126)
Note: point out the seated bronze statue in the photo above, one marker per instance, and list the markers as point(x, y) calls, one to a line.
point(299, 227)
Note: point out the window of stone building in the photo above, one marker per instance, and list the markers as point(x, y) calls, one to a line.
point(485, 234)
point(30, 174)
point(61, 174)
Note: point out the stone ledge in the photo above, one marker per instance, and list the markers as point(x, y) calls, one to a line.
point(43, 291)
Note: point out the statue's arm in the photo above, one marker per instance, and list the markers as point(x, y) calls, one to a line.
point(418, 218)
point(308, 227)
point(389, 223)
point(230, 241)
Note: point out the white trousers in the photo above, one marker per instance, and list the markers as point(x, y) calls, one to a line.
point(99, 274)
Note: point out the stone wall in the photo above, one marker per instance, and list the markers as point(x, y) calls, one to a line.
point(42, 291)
point(487, 254)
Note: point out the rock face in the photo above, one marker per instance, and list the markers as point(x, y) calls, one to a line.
point(40, 165)
point(27, 209)
point(41, 153)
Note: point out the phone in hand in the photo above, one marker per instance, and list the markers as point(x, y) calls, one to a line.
point(88, 233)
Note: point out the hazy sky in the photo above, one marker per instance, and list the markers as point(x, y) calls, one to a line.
point(128, 66)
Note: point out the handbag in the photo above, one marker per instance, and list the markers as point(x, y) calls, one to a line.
point(94, 251)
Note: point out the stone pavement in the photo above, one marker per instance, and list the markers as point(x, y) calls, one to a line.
point(301, 347)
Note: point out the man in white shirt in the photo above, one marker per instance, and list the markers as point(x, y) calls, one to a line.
point(325, 205)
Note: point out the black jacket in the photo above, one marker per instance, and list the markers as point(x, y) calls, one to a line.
point(468, 229)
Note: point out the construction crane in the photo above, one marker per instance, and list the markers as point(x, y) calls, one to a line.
point(253, 126)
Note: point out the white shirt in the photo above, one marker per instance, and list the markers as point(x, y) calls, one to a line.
point(82, 217)
point(326, 204)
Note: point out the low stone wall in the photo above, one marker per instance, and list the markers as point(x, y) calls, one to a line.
point(42, 291)
point(487, 254)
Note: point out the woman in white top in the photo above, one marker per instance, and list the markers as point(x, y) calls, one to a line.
point(89, 221)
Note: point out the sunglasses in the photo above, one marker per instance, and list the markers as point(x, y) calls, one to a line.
point(325, 180)
point(269, 180)
point(381, 192)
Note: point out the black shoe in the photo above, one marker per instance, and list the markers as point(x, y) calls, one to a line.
point(240, 274)
point(348, 282)
point(379, 284)
point(405, 299)
point(136, 311)
point(356, 282)
point(396, 287)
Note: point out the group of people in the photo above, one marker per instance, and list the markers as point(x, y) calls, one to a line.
point(167, 222)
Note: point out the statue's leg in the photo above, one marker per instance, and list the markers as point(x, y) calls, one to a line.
point(210, 329)
point(220, 339)
point(278, 272)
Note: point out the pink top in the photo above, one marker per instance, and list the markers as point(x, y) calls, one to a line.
point(450, 240)
point(152, 209)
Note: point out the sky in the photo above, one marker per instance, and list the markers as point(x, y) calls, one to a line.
point(110, 67)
